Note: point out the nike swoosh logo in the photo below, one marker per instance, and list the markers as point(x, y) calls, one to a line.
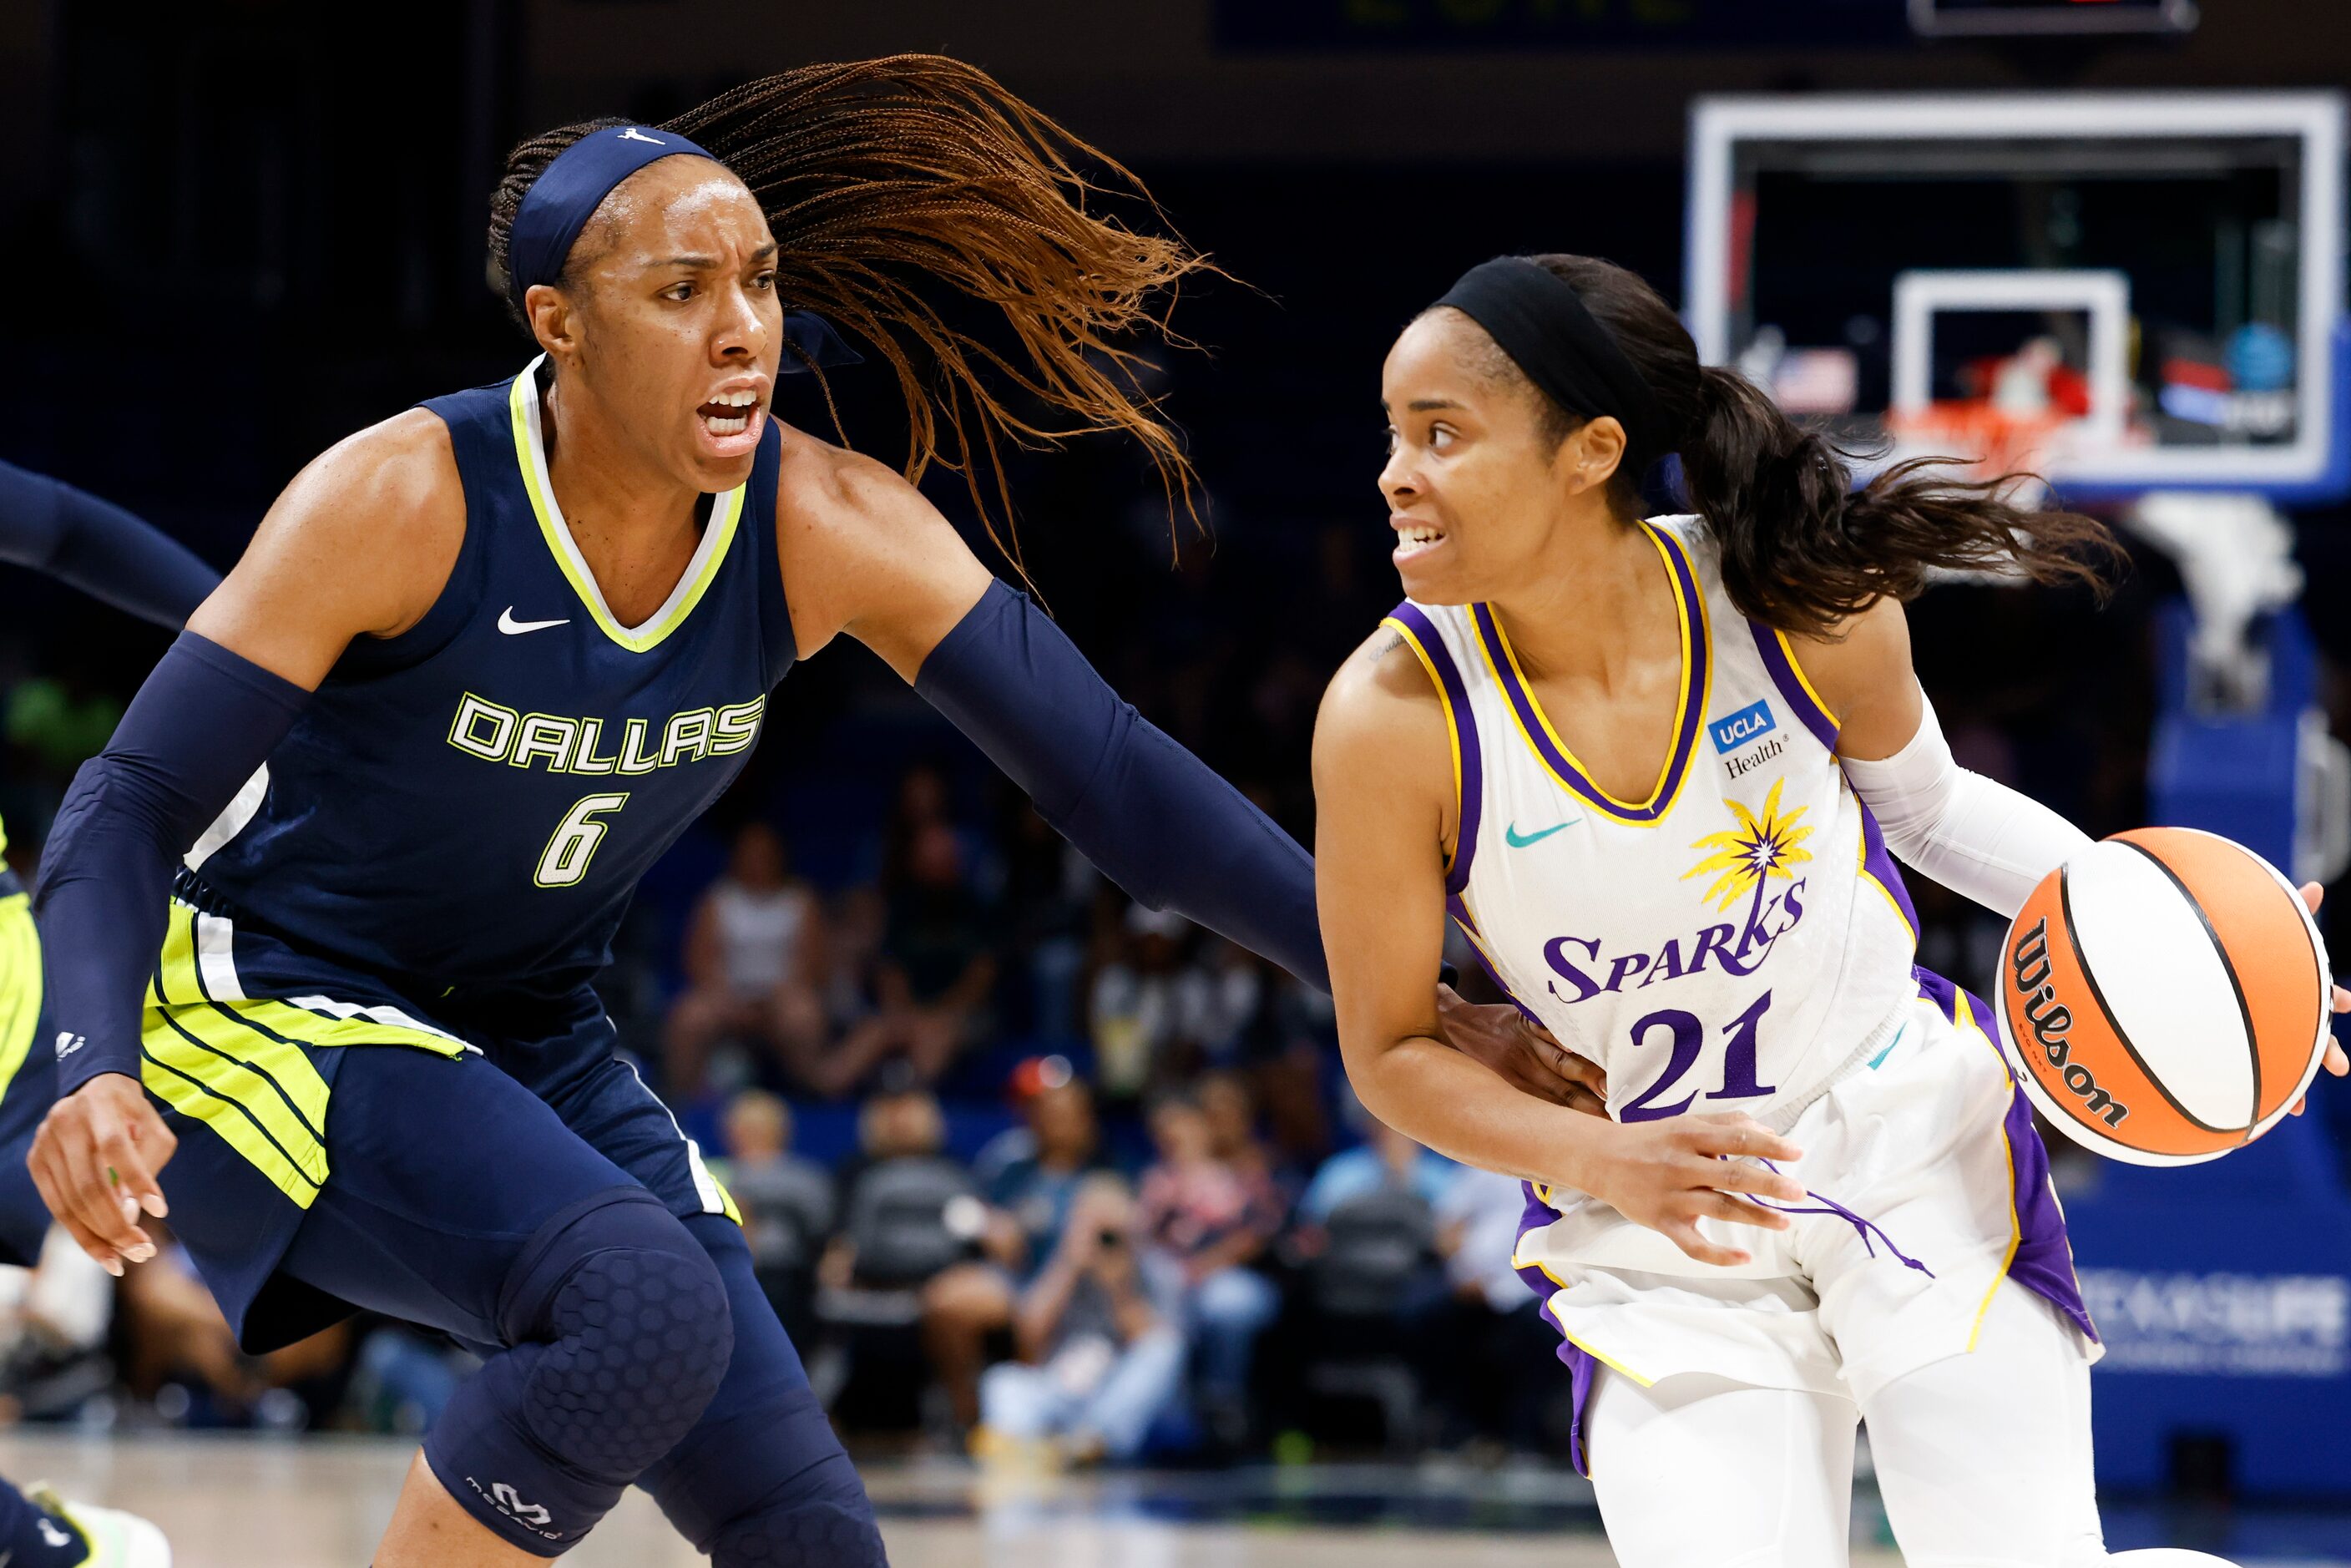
point(1518, 841)
point(514, 628)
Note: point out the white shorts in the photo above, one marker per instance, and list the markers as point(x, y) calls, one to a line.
point(1931, 1148)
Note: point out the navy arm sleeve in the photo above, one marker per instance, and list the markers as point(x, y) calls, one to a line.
point(98, 547)
point(1151, 815)
point(204, 722)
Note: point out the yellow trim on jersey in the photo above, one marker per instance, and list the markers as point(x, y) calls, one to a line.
point(1550, 1309)
point(719, 531)
point(1805, 681)
point(1608, 804)
point(1452, 728)
point(20, 985)
point(1861, 860)
point(241, 1066)
point(1967, 1020)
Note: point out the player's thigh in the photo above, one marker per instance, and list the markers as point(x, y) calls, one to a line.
point(1985, 1459)
point(612, 1110)
point(442, 1172)
point(1697, 1468)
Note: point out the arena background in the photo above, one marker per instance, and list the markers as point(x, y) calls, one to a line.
point(231, 233)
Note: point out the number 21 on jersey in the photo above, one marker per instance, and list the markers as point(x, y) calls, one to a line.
point(1687, 1036)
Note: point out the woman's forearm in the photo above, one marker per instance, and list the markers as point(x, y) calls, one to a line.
point(1434, 1095)
point(1156, 819)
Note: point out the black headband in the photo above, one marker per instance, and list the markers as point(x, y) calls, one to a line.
point(1542, 322)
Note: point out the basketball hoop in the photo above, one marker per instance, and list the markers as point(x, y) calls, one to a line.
point(1983, 444)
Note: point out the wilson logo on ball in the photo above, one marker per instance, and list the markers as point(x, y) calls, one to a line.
point(2164, 997)
point(2028, 964)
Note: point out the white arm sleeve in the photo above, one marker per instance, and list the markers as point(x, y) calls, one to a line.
point(1975, 835)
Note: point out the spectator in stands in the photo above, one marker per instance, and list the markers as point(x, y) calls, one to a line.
point(787, 1202)
point(1048, 906)
point(1497, 1366)
point(1215, 1220)
point(1170, 1000)
point(1386, 1159)
point(1030, 1175)
point(932, 981)
point(755, 967)
point(1101, 1357)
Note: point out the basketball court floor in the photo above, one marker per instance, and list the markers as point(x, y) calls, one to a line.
point(319, 1502)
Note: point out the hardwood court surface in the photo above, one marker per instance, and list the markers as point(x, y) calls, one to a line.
point(239, 1502)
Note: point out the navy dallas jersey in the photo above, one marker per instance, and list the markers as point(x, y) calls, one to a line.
point(431, 866)
point(464, 809)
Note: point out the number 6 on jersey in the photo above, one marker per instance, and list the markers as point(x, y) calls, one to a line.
point(565, 860)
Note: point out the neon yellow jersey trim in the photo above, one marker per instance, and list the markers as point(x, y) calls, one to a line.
point(1967, 1020)
point(720, 534)
point(1805, 681)
point(20, 985)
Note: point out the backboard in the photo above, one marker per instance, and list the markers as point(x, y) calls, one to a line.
point(2046, 18)
point(2149, 287)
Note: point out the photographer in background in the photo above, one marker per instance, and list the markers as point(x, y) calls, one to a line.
point(1102, 1353)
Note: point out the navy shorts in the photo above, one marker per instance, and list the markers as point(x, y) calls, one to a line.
point(344, 1144)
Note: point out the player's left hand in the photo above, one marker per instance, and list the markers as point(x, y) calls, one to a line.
point(1522, 1053)
point(2336, 1062)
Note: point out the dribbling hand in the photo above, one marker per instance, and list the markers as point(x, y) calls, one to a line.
point(1669, 1174)
point(95, 1160)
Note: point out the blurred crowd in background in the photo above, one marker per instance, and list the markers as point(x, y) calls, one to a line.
point(1023, 1165)
point(1029, 1169)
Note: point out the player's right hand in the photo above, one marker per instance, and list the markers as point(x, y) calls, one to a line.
point(95, 1160)
point(1670, 1174)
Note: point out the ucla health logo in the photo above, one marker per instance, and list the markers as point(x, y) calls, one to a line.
point(1751, 722)
point(1744, 741)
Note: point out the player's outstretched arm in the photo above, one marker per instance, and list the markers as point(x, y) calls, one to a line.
point(1975, 835)
point(360, 542)
point(865, 554)
point(98, 547)
point(1382, 794)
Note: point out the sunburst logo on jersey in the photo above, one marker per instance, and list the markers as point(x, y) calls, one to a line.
point(1749, 857)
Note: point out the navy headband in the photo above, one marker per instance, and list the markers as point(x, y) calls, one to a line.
point(1541, 321)
point(568, 190)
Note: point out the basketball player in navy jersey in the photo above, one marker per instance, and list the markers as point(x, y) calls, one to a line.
point(113, 557)
point(333, 901)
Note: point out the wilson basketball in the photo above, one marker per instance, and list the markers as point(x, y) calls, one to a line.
point(2164, 996)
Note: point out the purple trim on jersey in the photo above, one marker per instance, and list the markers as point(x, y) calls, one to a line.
point(1460, 910)
point(2044, 1262)
point(1464, 736)
point(1582, 1366)
point(1877, 864)
point(1538, 734)
point(1791, 685)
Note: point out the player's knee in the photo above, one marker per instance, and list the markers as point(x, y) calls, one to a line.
point(634, 1318)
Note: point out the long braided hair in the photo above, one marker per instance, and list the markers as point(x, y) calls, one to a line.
point(879, 177)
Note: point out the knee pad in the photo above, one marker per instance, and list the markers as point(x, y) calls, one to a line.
point(617, 1332)
point(762, 1479)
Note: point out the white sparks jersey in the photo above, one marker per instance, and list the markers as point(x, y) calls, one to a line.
point(1734, 941)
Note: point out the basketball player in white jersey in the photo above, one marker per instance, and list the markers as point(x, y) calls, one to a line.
point(1654, 770)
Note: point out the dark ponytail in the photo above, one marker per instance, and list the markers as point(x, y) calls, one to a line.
point(883, 179)
point(1801, 548)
